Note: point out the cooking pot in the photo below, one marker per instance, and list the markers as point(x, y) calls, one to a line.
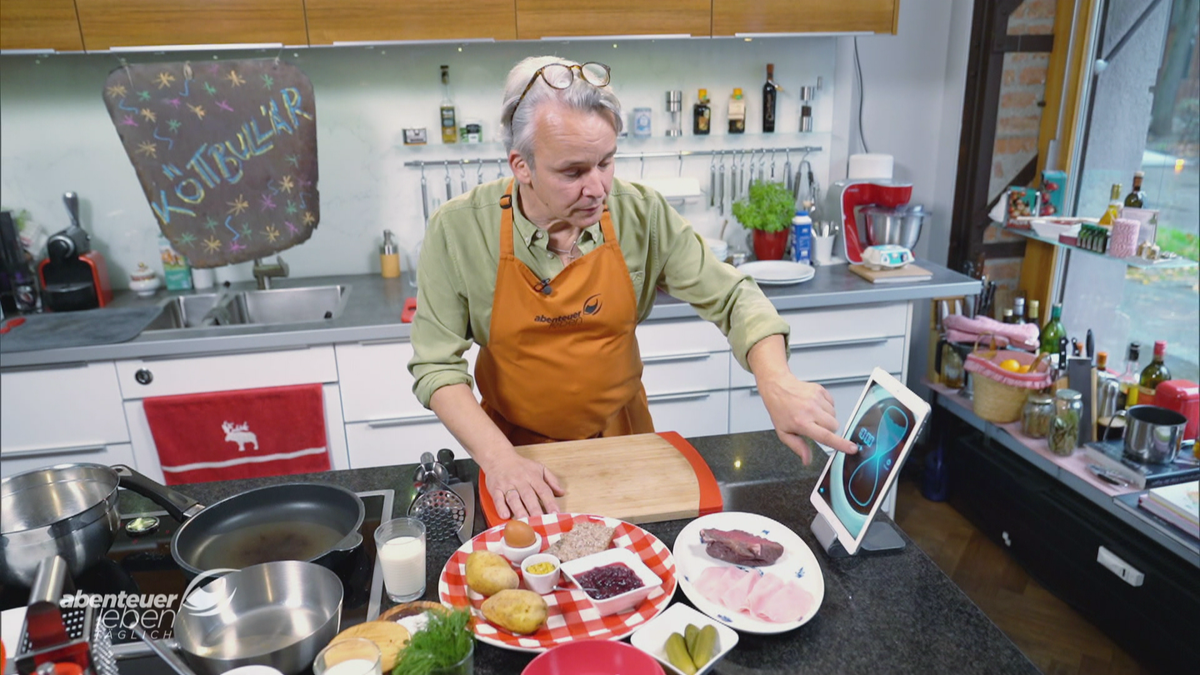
point(277, 614)
point(313, 522)
point(1153, 435)
point(68, 510)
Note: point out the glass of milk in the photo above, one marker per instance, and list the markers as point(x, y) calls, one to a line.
point(349, 656)
point(400, 543)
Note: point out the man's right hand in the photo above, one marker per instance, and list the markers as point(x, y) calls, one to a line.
point(521, 487)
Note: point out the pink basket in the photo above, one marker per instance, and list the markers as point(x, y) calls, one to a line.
point(999, 394)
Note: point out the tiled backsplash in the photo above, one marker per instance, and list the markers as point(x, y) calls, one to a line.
point(55, 134)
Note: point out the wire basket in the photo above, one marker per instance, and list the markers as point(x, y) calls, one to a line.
point(999, 394)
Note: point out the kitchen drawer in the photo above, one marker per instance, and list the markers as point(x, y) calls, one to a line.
point(226, 372)
point(688, 336)
point(686, 371)
point(850, 323)
point(704, 413)
point(375, 381)
point(747, 412)
point(53, 409)
point(814, 362)
point(120, 453)
point(398, 441)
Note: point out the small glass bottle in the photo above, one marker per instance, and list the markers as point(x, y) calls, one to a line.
point(449, 125)
point(1018, 310)
point(1037, 415)
point(737, 112)
point(1034, 309)
point(1129, 379)
point(702, 115)
point(1063, 437)
point(1114, 206)
point(1136, 198)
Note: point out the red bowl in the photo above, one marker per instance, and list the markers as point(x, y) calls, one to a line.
point(594, 657)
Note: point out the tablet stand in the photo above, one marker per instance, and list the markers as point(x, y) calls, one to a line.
point(880, 537)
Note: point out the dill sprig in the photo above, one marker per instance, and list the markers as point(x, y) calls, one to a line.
point(443, 642)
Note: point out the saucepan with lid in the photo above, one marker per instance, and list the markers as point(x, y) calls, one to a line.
point(1153, 435)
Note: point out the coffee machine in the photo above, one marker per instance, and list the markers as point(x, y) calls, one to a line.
point(845, 200)
point(73, 276)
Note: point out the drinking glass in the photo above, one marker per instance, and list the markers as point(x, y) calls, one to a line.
point(400, 544)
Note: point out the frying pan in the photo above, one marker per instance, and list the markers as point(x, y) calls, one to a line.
point(311, 522)
point(69, 510)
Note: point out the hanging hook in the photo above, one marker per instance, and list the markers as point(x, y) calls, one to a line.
point(499, 168)
point(479, 173)
point(680, 173)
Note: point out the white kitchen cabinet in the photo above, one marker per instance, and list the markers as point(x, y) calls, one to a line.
point(686, 375)
point(398, 441)
point(151, 377)
point(20, 462)
point(59, 412)
point(747, 412)
point(701, 413)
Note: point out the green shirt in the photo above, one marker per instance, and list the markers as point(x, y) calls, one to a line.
point(456, 277)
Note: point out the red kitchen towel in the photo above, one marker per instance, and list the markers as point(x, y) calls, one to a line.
point(247, 433)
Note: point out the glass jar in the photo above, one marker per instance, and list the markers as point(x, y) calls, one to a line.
point(952, 367)
point(1064, 430)
point(1037, 415)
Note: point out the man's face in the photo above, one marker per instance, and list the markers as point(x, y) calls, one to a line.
point(573, 151)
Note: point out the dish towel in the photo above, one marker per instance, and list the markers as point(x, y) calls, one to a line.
point(248, 433)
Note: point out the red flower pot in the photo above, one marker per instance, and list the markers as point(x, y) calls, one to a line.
point(770, 245)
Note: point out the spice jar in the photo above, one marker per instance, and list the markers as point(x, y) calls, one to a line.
point(1037, 415)
point(1064, 430)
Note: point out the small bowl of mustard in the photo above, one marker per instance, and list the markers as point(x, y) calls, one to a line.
point(541, 573)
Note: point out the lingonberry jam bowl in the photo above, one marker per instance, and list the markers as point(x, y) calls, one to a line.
point(605, 576)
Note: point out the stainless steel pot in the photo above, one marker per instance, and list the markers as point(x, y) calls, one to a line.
point(278, 614)
point(1153, 435)
point(900, 226)
point(69, 510)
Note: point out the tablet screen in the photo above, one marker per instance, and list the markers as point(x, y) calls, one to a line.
point(854, 484)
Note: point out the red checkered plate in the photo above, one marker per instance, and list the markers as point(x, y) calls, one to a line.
point(571, 614)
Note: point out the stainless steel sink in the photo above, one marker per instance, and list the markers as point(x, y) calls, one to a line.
point(276, 306)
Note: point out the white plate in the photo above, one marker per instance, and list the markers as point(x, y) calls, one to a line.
point(778, 272)
point(796, 563)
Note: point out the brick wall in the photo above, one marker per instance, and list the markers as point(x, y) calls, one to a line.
point(1022, 88)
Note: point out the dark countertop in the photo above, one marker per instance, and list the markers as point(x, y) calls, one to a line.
point(374, 304)
point(894, 612)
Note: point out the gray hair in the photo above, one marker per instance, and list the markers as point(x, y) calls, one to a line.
point(518, 129)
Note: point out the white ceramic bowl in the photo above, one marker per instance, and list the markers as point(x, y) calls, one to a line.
point(718, 247)
point(1050, 230)
point(624, 601)
point(542, 584)
point(652, 636)
point(518, 555)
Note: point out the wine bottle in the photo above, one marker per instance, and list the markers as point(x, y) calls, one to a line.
point(449, 125)
point(1034, 307)
point(1136, 198)
point(1129, 379)
point(1052, 331)
point(1153, 375)
point(702, 115)
point(768, 114)
point(1114, 206)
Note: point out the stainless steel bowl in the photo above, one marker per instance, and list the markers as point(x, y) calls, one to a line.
point(900, 226)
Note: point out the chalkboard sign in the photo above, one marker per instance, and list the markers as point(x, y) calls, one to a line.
point(226, 153)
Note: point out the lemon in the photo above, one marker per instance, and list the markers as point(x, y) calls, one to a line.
point(1011, 365)
point(1023, 369)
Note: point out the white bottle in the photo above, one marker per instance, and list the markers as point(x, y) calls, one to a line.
point(802, 238)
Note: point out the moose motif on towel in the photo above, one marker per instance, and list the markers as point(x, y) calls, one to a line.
point(240, 434)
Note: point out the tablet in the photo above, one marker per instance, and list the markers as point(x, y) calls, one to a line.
point(884, 425)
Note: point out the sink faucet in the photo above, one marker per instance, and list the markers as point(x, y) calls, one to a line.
point(264, 272)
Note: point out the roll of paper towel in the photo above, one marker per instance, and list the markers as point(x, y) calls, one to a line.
point(870, 166)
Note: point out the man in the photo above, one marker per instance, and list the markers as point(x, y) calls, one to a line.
point(551, 271)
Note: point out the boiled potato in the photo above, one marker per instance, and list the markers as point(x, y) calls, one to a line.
point(519, 611)
point(488, 573)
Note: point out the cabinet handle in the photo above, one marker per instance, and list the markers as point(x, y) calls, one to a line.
point(688, 396)
point(840, 343)
point(581, 38)
point(186, 48)
point(27, 52)
point(401, 421)
point(231, 352)
point(814, 34)
point(675, 358)
point(391, 43)
point(45, 366)
point(830, 382)
point(38, 452)
point(384, 341)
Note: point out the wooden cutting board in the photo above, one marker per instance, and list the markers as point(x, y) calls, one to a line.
point(907, 273)
point(646, 478)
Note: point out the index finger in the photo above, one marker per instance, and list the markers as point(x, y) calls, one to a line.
point(828, 438)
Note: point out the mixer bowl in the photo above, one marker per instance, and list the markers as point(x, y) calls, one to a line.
point(900, 226)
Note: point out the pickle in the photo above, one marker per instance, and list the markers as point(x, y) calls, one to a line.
point(689, 636)
point(677, 654)
point(706, 642)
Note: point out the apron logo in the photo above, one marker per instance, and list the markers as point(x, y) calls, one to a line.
point(592, 305)
point(564, 321)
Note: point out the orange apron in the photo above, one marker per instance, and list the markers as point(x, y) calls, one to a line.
point(562, 360)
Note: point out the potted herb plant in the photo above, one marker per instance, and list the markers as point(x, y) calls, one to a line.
point(767, 210)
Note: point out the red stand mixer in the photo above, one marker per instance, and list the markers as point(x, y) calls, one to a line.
point(846, 198)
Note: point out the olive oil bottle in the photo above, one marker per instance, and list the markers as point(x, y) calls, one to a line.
point(449, 125)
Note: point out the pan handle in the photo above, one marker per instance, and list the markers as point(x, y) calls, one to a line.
point(180, 506)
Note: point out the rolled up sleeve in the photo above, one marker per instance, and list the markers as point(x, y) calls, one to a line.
point(439, 329)
point(717, 290)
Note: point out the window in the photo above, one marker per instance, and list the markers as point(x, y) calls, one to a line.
point(1144, 115)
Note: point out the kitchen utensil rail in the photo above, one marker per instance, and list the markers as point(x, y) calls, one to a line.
point(421, 163)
